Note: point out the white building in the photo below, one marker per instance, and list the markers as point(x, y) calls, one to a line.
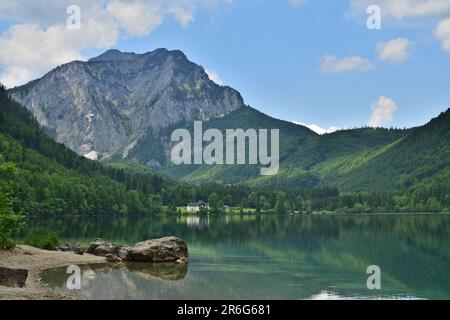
point(197, 206)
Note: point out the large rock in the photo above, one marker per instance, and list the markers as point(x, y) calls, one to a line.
point(104, 248)
point(157, 250)
point(70, 247)
point(13, 277)
point(169, 249)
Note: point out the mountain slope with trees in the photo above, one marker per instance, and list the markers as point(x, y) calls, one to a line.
point(41, 177)
point(139, 100)
point(358, 160)
point(45, 177)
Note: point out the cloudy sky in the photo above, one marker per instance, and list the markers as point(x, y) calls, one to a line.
point(314, 62)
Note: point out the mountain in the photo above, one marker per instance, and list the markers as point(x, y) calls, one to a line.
point(397, 170)
point(103, 107)
point(243, 118)
point(357, 160)
point(419, 159)
point(123, 107)
point(155, 147)
point(39, 176)
point(45, 177)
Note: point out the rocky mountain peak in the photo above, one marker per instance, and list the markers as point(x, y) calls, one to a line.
point(114, 55)
point(102, 107)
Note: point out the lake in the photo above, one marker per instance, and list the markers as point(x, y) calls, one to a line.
point(268, 256)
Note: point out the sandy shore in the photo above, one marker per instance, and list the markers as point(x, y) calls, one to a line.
point(35, 260)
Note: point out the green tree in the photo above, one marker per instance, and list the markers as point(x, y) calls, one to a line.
point(213, 201)
point(265, 204)
point(280, 205)
point(10, 222)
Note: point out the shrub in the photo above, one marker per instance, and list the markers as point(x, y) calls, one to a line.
point(10, 222)
point(42, 239)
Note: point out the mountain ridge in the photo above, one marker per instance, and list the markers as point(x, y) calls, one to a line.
point(141, 98)
point(104, 105)
point(355, 160)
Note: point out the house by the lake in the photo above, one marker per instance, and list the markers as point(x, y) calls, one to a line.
point(197, 206)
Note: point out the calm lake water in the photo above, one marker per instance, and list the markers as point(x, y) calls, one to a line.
point(269, 257)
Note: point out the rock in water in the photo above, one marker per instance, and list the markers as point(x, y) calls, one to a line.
point(169, 249)
point(13, 277)
point(104, 248)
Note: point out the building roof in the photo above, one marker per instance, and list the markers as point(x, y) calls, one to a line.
point(199, 203)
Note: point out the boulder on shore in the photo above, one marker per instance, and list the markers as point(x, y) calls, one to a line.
point(157, 250)
point(13, 277)
point(104, 248)
point(70, 247)
point(169, 249)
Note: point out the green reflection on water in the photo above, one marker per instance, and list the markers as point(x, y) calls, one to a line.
point(271, 257)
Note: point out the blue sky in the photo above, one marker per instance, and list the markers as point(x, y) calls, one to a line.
point(273, 53)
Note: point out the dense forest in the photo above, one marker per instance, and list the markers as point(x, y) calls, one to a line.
point(41, 177)
point(356, 160)
point(45, 177)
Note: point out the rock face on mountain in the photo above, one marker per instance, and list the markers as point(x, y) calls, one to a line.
point(104, 106)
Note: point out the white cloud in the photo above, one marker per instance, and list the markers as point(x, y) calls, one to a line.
point(29, 51)
point(297, 3)
point(437, 11)
point(183, 16)
point(40, 40)
point(332, 64)
point(319, 129)
point(442, 32)
point(214, 76)
point(44, 13)
point(394, 51)
point(400, 9)
point(136, 18)
point(382, 112)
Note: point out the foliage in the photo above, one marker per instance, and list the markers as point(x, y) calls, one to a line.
point(377, 170)
point(366, 160)
point(10, 222)
point(42, 239)
point(51, 179)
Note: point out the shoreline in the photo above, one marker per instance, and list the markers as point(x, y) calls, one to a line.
point(249, 214)
point(35, 261)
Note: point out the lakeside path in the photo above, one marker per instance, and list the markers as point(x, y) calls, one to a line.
point(36, 260)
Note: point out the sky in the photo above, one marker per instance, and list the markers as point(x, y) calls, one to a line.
point(314, 62)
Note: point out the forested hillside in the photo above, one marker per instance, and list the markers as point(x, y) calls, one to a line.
point(45, 177)
point(359, 160)
point(40, 176)
point(243, 118)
